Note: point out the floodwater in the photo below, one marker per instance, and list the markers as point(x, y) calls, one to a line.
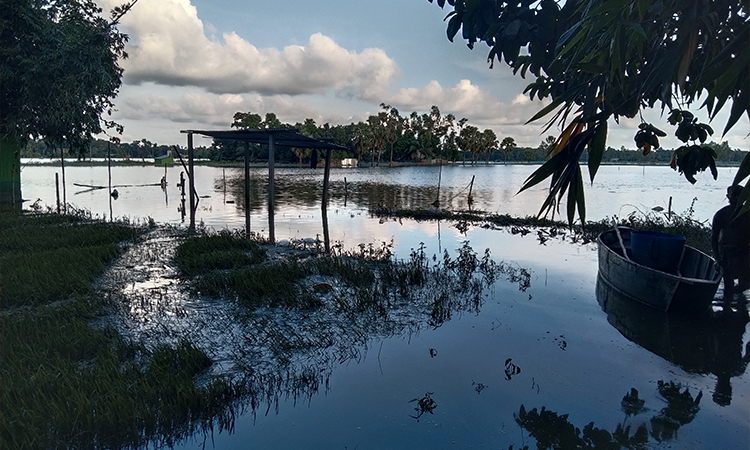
point(531, 364)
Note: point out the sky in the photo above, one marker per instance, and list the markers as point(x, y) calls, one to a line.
point(194, 63)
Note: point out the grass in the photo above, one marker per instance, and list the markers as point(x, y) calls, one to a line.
point(697, 234)
point(66, 384)
point(217, 252)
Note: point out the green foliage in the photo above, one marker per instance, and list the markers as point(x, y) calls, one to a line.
point(66, 45)
point(66, 384)
point(601, 59)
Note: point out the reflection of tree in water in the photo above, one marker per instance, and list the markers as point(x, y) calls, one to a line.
point(306, 189)
point(291, 352)
point(553, 431)
point(705, 344)
point(262, 353)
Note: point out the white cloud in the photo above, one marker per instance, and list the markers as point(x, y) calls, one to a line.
point(169, 46)
point(192, 106)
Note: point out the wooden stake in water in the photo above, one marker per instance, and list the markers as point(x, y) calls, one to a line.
point(436, 203)
point(62, 163)
point(247, 189)
point(57, 190)
point(346, 191)
point(109, 171)
point(669, 209)
point(471, 186)
point(271, 163)
point(191, 180)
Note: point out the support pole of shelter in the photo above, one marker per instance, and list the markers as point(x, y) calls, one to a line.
point(247, 190)
point(324, 205)
point(191, 178)
point(271, 153)
point(109, 178)
point(326, 176)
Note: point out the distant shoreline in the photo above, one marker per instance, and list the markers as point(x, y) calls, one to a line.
point(204, 162)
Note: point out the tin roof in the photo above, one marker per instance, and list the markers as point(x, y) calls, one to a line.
point(286, 137)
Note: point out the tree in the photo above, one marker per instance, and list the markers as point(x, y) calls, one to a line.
point(507, 146)
point(393, 126)
point(60, 73)
point(601, 59)
point(469, 140)
point(489, 144)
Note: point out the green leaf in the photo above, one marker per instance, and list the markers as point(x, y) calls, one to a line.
point(542, 172)
point(744, 170)
point(739, 107)
point(454, 25)
point(596, 148)
point(544, 111)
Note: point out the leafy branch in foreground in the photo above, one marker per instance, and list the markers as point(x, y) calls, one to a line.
point(601, 59)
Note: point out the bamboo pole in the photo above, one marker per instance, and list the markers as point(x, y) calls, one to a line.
point(57, 190)
point(324, 205)
point(191, 178)
point(247, 189)
point(62, 164)
point(109, 172)
point(471, 186)
point(271, 154)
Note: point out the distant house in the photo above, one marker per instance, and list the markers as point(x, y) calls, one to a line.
point(349, 162)
point(164, 160)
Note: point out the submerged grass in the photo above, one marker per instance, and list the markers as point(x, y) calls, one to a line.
point(217, 252)
point(66, 384)
point(697, 234)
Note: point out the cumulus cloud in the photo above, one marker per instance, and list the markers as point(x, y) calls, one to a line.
point(169, 46)
point(210, 110)
point(466, 100)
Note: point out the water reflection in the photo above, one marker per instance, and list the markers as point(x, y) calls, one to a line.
point(271, 354)
point(554, 431)
point(703, 344)
point(306, 190)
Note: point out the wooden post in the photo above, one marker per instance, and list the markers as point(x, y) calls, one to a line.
point(471, 186)
point(326, 236)
point(62, 164)
point(13, 185)
point(247, 189)
point(324, 204)
point(669, 209)
point(109, 172)
point(326, 176)
point(57, 190)
point(271, 152)
point(346, 191)
point(191, 178)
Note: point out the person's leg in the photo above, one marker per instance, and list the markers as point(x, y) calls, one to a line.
point(728, 286)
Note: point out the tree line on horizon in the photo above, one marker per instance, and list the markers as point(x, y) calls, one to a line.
point(384, 138)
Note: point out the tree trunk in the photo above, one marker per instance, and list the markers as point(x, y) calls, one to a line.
point(10, 174)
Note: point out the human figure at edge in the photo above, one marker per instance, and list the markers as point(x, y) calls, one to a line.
point(730, 243)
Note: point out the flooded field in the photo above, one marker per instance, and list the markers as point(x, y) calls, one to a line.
point(542, 355)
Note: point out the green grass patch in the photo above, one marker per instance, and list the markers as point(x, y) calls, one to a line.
point(66, 384)
point(47, 258)
point(263, 285)
point(203, 254)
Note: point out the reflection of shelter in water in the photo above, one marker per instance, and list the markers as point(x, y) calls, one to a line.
point(284, 137)
point(704, 344)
